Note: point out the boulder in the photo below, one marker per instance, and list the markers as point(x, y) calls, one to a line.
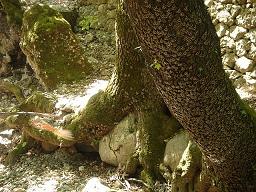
point(174, 149)
point(119, 145)
point(52, 49)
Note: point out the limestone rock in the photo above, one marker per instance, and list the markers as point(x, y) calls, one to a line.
point(252, 52)
point(119, 145)
point(221, 29)
point(224, 16)
point(250, 81)
point(239, 83)
point(208, 3)
point(252, 74)
point(237, 32)
point(244, 64)
point(247, 18)
point(229, 59)
point(251, 35)
point(174, 150)
point(241, 2)
point(242, 46)
point(52, 49)
point(235, 10)
point(227, 42)
point(225, 1)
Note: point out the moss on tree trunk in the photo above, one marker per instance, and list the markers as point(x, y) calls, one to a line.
point(180, 37)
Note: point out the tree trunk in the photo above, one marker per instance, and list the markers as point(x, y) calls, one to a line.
point(179, 37)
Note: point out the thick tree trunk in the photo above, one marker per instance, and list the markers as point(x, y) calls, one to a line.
point(178, 37)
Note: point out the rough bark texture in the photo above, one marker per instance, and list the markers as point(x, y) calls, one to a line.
point(179, 35)
point(124, 90)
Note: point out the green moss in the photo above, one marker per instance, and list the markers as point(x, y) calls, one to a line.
point(88, 22)
point(52, 48)
point(38, 102)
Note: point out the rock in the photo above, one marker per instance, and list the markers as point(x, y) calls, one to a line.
point(251, 35)
point(221, 29)
point(225, 17)
point(235, 10)
point(233, 74)
point(240, 82)
point(89, 38)
point(229, 59)
point(241, 2)
point(244, 64)
point(252, 52)
point(174, 150)
point(227, 42)
point(19, 190)
point(247, 18)
point(237, 32)
point(208, 3)
point(250, 80)
point(52, 49)
point(242, 46)
point(186, 173)
point(81, 168)
point(119, 145)
point(95, 185)
point(252, 74)
point(225, 1)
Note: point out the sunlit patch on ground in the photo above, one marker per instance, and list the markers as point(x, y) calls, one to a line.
point(78, 102)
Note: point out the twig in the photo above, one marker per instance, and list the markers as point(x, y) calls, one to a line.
point(4, 114)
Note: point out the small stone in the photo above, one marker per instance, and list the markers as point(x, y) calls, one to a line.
point(241, 2)
point(81, 168)
point(227, 42)
point(237, 32)
point(244, 64)
point(252, 53)
point(89, 38)
point(221, 29)
point(249, 80)
point(208, 3)
point(235, 10)
point(18, 190)
point(242, 46)
point(240, 82)
point(247, 19)
point(66, 166)
point(225, 17)
point(251, 35)
point(252, 74)
point(229, 59)
point(225, 1)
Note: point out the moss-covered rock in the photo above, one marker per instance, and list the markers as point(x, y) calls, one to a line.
point(51, 47)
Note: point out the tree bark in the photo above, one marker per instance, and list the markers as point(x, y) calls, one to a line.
point(178, 36)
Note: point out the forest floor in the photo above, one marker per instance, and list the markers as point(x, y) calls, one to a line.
point(65, 169)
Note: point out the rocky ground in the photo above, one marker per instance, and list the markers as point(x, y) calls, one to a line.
point(64, 169)
point(68, 169)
